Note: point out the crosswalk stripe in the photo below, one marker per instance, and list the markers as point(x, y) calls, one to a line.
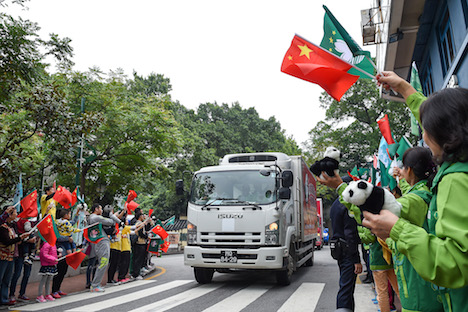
point(170, 302)
point(105, 304)
point(82, 296)
point(305, 298)
point(240, 299)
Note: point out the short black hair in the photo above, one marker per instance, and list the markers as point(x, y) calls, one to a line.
point(94, 206)
point(420, 160)
point(444, 117)
point(47, 188)
point(62, 212)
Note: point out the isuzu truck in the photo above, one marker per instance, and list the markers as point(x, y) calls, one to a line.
point(254, 211)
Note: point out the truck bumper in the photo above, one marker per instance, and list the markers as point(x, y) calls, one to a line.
point(261, 258)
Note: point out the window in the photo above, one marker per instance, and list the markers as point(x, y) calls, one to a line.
point(465, 11)
point(426, 79)
point(446, 46)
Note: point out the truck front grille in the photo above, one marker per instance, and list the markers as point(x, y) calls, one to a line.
point(230, 240)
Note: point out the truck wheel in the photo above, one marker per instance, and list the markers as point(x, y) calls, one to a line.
point(203, 275)
point(284, 277)
point(310, 261)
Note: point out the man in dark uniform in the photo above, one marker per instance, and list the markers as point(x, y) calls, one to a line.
point(345, 235)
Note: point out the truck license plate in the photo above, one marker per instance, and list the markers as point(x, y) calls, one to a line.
point(228, 256)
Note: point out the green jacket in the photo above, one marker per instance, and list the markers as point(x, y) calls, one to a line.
point(440, 256)
point(416, 294)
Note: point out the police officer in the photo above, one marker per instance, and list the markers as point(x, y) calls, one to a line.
point(346, 240)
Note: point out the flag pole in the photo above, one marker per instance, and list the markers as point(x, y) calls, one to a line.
point(61, 258)
point(86, 227)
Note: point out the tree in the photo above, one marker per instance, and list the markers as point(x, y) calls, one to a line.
point(34, 112)
point(135, 135)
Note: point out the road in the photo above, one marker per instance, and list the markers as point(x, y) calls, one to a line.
point(172, 288)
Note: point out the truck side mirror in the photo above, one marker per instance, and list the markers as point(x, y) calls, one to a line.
point(179, 187)
point(284, 193)
point(287, 178)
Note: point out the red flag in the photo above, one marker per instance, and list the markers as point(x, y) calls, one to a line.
point(63, 197)
point(47, 230)
point(74, 259)
point(384, 126)
point(165, 246)
point(159, 230)
point(131, 206)
point(29, 204)
point(375, 163)
point(309, 62)
point(150, 212)
point(74, 197)
point(131, 195)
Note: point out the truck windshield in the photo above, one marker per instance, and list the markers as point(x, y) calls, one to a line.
point(227, 188)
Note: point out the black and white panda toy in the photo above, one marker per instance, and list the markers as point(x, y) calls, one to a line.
point(329, 163)
point(371, 198)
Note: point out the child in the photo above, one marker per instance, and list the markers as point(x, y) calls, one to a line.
point(65, 228)
point(49, 259)
point(23, 225)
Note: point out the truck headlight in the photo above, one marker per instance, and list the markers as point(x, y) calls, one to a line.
point(191, 234)
point(271, 234)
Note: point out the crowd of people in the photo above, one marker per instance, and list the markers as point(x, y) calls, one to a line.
point(423, 251)
point(121, 251)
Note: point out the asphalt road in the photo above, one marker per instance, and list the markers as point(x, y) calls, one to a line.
point(172, 288)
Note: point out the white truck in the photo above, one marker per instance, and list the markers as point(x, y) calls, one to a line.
point(252, 211)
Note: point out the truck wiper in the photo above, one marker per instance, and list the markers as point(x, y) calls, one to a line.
point(248, 203)
point(212, 201)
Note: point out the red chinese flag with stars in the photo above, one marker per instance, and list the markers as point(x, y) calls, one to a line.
point(310, 62)
point(159, 230)
point(29, 204)
point(47, 230)
point(74, 259)
point(63, 197)
point(165, 246)
point(384, 126)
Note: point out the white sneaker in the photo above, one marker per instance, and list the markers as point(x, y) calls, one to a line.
point(139, 278)
point(143, 271)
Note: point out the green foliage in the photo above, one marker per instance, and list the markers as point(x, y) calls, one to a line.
point(34, 112)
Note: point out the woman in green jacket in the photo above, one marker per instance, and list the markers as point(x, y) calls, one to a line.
point(440, 256)
point(416, 177)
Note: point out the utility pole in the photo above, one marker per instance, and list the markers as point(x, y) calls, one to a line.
point(79, 154)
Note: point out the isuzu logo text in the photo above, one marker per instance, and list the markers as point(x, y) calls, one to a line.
point(230, 216)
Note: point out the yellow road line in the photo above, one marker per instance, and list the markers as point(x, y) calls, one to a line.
point(163, 270)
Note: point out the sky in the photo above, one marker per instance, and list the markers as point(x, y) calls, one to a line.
point(221, 51)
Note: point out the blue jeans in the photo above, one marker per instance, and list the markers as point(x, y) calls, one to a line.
point(6, 270)
point(18, 264)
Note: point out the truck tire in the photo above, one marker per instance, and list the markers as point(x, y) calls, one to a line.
point(310, 261)
point(284, 277)
point(203, 275)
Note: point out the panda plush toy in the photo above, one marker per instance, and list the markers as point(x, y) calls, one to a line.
point(329, 163)
point(371, 198)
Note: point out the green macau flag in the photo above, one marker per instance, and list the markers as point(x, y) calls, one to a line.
point(416, 84)
point(337, 40)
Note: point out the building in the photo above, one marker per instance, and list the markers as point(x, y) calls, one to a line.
point(432, 33)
